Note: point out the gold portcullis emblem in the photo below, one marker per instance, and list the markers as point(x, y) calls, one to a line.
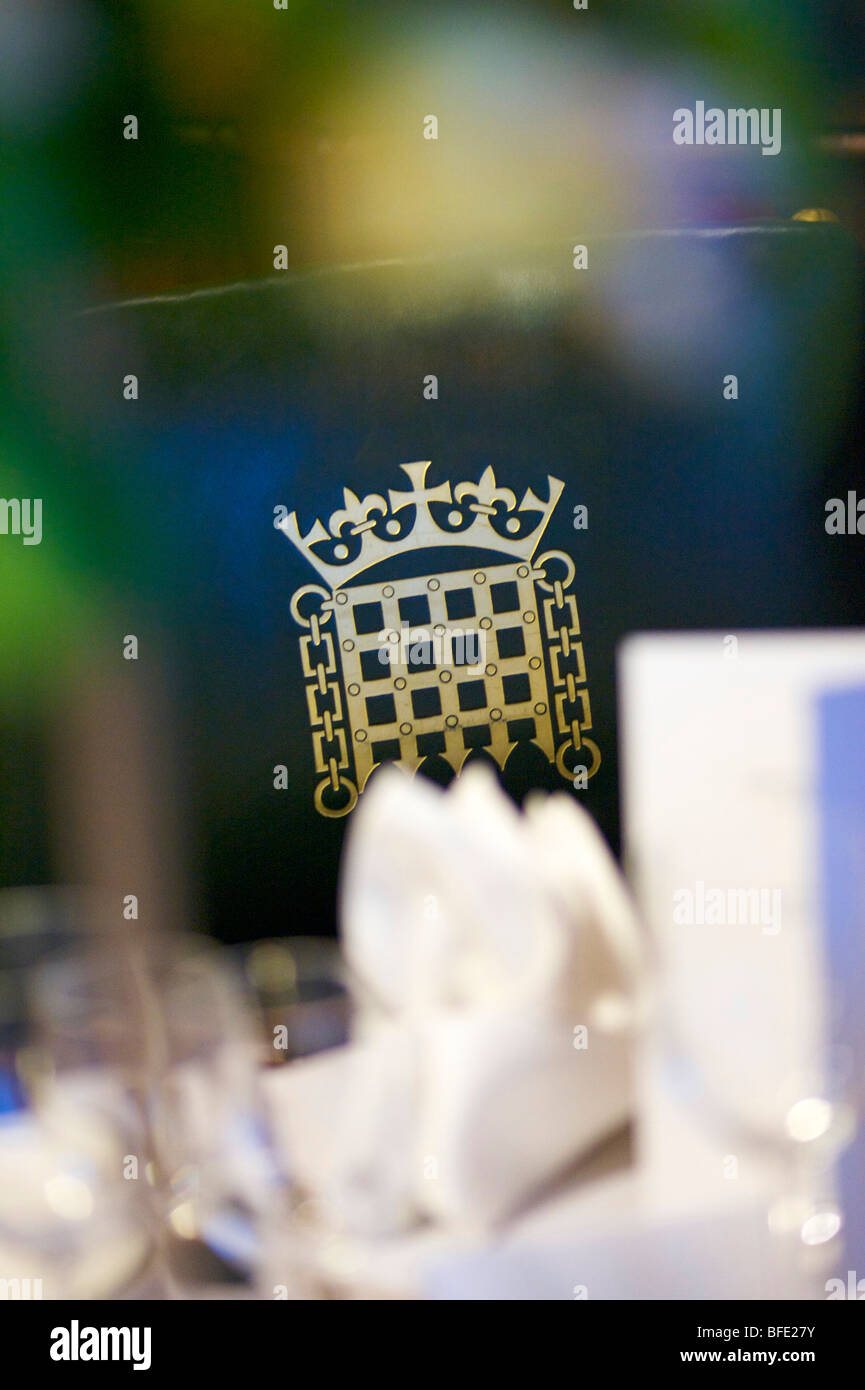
point(445, 662)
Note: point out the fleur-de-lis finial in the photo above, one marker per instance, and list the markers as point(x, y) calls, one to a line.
point(487, 494)
point(356, 510)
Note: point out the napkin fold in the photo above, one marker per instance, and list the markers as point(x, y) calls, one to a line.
point(495, 960)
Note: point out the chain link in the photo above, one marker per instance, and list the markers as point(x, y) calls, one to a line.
point(568, 673)
point(324, 702)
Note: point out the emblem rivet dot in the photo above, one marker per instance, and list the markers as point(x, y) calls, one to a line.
point(491, 669)
point(480, 578)
point(535, 663)
point(388, 591)
point(433, 584)
point(540, 709)
point(528, 617)
point(354, 690)
point(523, 572)
point(399, 683)
point(451, 721)
point(361, 735)
point(495, 714)
point(405, 728)
point(348, 645)
point(444, 676)
point(486, 622)
point(342, 598)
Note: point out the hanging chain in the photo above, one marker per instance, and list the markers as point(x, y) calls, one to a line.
point(570, 692)
point(324, 702)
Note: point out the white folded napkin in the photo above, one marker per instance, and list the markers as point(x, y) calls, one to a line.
point(495, 958)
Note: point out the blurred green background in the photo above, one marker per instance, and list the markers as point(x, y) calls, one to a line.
point(300, 126)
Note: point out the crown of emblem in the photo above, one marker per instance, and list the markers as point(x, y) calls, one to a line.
point(366, 530)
